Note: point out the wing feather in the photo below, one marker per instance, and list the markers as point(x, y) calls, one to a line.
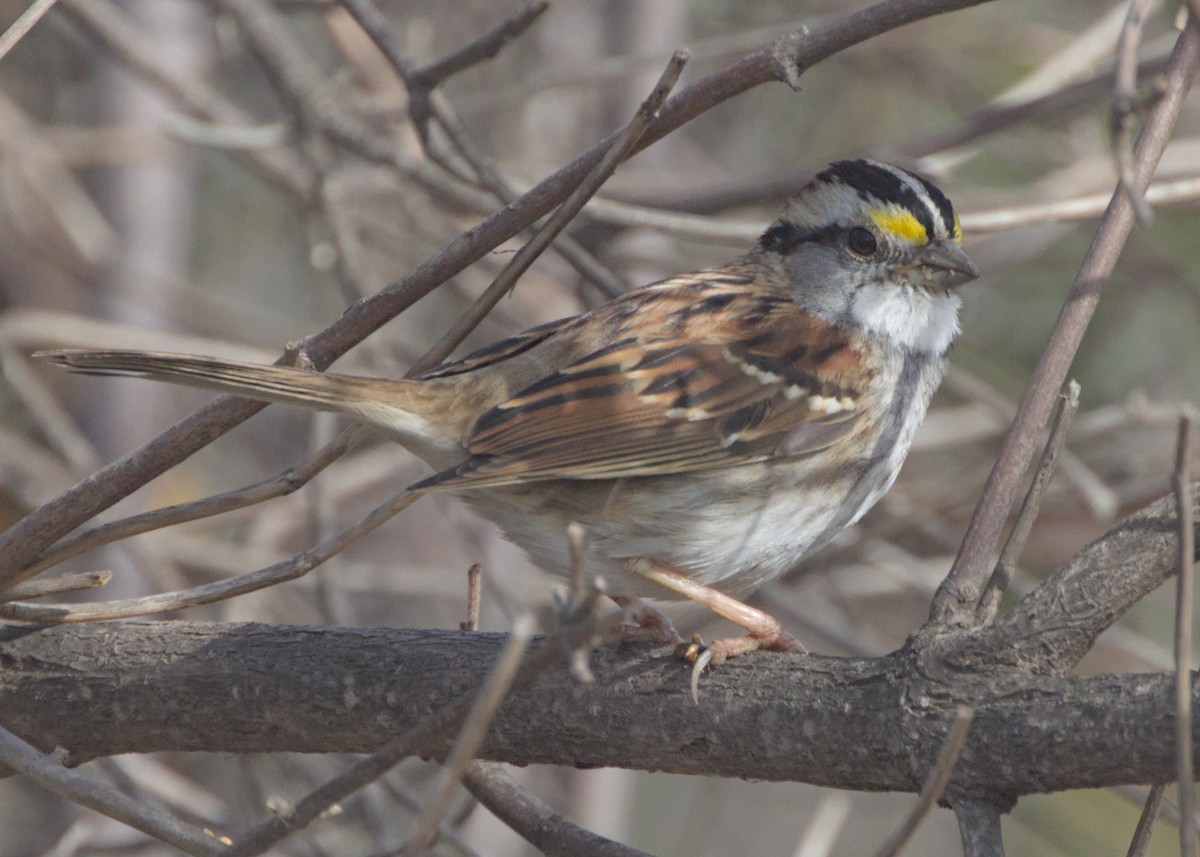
point(761, 377)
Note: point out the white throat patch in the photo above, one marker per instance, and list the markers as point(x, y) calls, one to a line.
point(913, 318)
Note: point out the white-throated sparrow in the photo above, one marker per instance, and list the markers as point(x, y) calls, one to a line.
point(707, 430)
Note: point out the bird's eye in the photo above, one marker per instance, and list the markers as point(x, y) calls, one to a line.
point(861, 242)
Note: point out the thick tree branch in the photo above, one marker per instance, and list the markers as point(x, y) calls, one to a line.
point(848, 723)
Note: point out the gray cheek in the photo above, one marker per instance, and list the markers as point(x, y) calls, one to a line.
point(820, 280)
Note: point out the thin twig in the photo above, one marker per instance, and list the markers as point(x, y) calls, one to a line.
point(126, 41)
point(289, 569)
point(1127, 105)
point(426, 103)
point(473, 732)
point(1167, 811)
point(935, 783)
point(280, 485)
point(24, 23)
point(957, 596)
point(56, 585)
point(825, 826)
point(1166, 192)
point(1145, 825)
point(523, 258)
point(483, 48)
point(50, 774)
point(1183, 641)
point(53, 419)
point(474, 575)
point(448, 834)
point(539, 825)
point(979, 828)
point(989, 603)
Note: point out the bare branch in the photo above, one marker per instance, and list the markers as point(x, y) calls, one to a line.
point(979, 826)
point(587, 187)
point(1184, 497)
point(24, 23)
point(1145, 826)
point(483, 48)
point(989, 604)
point(769, 707)
point(1056, 624)
point(104, 799)
point(935, 784)
point(289, 569)
point(56, 585)
point(280, 485)
point(958, 596)
point(536, 823)
point(474, 730)
point(1127, 106)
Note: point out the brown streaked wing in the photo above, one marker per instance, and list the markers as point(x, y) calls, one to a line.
point(785, 383)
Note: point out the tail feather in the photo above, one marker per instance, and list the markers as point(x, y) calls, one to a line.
point(389, 406)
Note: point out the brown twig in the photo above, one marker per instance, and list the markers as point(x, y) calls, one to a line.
point(280, 485)
point(989, 603)
point(426, 103)
point(1165, 192)
point(587, 187)
point(48, 773)
point(56, 585)
point(991, 118)
point(471, 737)
point(24, 23)
point(474, 575)
point(448, 834)
point(1145, 825)
point(935, 783)
point(483, 48)
point(979, 828)
point(289, 569)
point(1127, 106)
point(532, 820)
point(957, 597)
point(1183, 641)
point(103, 19)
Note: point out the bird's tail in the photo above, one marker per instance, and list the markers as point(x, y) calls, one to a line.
point(393, 407)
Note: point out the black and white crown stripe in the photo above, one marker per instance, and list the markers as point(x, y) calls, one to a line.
point(884, 183)
point(825, 207)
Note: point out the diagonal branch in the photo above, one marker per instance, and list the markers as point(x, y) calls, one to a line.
point(957, 598)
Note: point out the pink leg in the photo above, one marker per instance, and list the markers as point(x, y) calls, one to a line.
point(763, 630)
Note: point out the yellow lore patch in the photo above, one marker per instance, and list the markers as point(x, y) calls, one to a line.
point(901, 223)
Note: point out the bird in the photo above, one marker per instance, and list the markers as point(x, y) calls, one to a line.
point(708, 430)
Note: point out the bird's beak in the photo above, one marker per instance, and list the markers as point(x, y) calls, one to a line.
point(943, 265)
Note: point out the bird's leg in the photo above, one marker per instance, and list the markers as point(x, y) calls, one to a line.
point(646, 623)
point(763, 630)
